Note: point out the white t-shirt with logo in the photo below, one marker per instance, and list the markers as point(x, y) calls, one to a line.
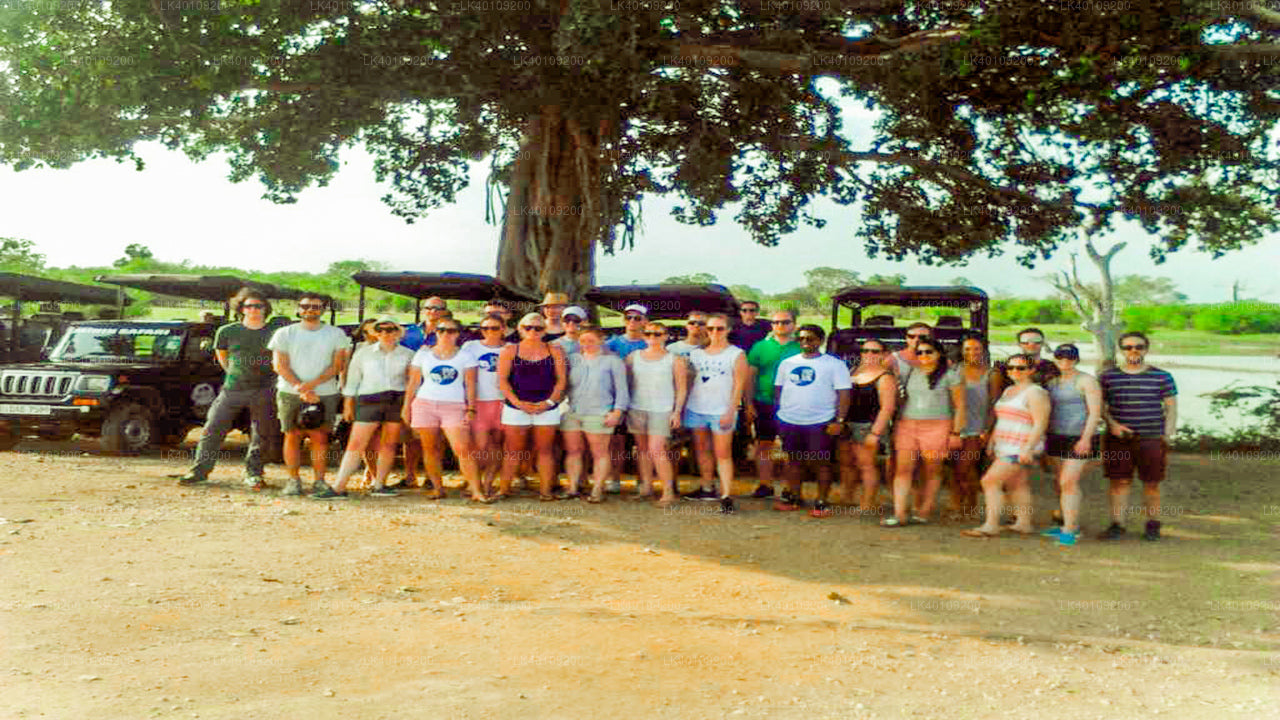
point(806, 388)
point(711, 387)
point(486, 359)
point(310, 354)
point(442, 380)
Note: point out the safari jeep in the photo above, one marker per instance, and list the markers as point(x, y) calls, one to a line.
point(132, 384)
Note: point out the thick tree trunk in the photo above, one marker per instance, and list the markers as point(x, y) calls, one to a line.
point(553, 216)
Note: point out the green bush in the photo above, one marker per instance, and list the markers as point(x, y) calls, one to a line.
point(1031, 311)
point(1238, 318)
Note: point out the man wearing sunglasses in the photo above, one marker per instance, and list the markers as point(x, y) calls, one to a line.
point(695, 337)
point(308, 357)
point(632, 339)
point(1140, 406)
point(763, 362)
point(905, 359)
point(241, 350)
point(750, 329)
point(424, 333)
point(1031, 342)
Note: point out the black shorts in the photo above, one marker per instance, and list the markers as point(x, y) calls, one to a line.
point(807, 442)
point(766, 423)
point(1060, 446)
point(380, 407)
point(1122, 456)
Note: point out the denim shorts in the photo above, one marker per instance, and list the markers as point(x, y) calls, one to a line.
point(695, 421)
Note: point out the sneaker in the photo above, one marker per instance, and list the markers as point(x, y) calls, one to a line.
point(322, 491)
point(1152, 531)
point(726, 506)
point(1113, 532)
point(613, 486)
point(292, 488)
point(255, 482)
point(382, 491)
point(192, 479)
point(702, 494)
point(787, 502)
point(1067, 539)
point(1052, 532)
point(762, 492)
point(820, 510)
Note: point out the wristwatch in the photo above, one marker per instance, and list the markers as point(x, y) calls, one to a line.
point(549, 402)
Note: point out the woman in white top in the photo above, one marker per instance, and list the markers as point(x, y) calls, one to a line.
point(659, 386)
point(719, 378)
point(441, 395)
point(372, 395)
point(486, 424)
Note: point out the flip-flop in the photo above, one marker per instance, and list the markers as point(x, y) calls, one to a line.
point(917, 520)
point(979, 533)
point(595, 499)
point(547, 498)
point(481, 500)
point(892, 522)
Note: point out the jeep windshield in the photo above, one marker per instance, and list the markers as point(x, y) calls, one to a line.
point(98, 343)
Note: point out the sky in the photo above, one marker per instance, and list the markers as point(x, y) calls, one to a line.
point(86, 215)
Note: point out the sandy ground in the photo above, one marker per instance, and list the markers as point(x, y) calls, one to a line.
point(127, 596)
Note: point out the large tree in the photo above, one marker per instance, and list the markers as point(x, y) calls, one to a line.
point(995, 124)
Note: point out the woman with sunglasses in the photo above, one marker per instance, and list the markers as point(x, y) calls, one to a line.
point(981, 386)
point(933, 415)
point(441, 396)
point(719, 381)
point(1076, 400)
point(532, 376)
point(872, 401)
point(486, 424)
point(372, 397)
point(597, 401)
point(1022, 416)
point(659, 385)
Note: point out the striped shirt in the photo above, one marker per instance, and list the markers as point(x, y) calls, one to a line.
point(1137, 399)
point(1015, 423)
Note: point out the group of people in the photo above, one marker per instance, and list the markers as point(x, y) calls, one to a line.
point(503, 400)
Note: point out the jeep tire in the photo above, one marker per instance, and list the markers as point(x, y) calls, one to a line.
point(10, 434)
point(128, 429)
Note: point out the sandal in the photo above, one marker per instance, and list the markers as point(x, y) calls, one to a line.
point(547, 498)
point(917, 520)
point(892, 522)
point(500, 496)
point(979, 533)
point(482, 500)
point(595, 499)
point(665, 503)
point(437, 495)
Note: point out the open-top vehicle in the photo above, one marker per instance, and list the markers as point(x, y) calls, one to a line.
point(132, 383)
point(666, 302)
point(211, 288)
point(27, 339)
point(959, 309)
point(446, 285)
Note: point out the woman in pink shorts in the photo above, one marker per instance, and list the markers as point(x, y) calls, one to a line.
point(933, 416)
point(486, 425)
point(441, 395)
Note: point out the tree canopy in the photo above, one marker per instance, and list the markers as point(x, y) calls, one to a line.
point(994, 123)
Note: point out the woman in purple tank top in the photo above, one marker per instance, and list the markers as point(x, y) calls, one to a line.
point(532, 376)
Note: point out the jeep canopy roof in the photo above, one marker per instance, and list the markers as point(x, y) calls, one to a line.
point(200, 287)
point(448, 285)
point(923, 296)
point(666, 302)
point(38, 289)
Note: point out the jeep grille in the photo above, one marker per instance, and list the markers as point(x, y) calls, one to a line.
point(35, 383)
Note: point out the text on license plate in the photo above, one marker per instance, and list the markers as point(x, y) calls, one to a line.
point(15, 409)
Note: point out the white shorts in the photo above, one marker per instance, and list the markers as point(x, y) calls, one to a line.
point(520, 418)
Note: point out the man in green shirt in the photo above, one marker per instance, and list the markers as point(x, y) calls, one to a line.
point(763, 362)
point(241, 349)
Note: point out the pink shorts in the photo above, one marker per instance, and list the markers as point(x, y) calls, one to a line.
point(432, 414)
point(925, 438)
point(488, 416)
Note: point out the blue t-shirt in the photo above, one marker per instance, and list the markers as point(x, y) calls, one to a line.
point(623, 347)
point(414, 339)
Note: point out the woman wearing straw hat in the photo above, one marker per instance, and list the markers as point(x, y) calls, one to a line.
point(552, 308)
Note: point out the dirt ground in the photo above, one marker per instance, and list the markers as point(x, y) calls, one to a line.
point(123, 595)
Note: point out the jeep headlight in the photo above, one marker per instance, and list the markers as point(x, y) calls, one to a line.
point(93, 384)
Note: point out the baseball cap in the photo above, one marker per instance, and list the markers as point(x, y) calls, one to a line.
point(636, 308)
point(574, 310)
point(1067, 351)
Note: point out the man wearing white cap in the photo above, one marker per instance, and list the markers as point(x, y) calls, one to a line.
point(573, 317)
point(632, 339)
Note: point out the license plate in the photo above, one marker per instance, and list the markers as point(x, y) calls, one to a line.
point(11, 409)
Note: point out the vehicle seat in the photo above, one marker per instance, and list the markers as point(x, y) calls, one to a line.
point(950, 321)
point(880, 321)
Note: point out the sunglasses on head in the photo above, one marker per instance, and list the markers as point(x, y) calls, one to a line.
point(1133, 347)
point(533, 327)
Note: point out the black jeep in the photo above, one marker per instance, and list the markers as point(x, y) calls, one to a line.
point(868, 315)
point(132, 384)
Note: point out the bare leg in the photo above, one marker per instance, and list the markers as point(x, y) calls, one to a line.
point(617, 456)
point(848, 468)
point(764, 462)
point(460, 440)
point(870, 472)
point(601, 461)
point(574, 446)
point(1151, 498)
point(544, 440)
point(514, 438)
point(723, 445)
point(706, 461)
point(387, 452)
point(993, 487)
point(319, 453)
point(644, 466)
point(904, 472)
point(431, 461)
point(1069, 482)
point(661, 461)
point(824, 471)
point(932, 481)
point(1118, 494)
point(293, 454)
point(357, 445)
point(1020, 495)
point(412, 459)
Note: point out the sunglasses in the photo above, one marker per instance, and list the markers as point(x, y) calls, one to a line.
point(310, 306)
point(917, 337)
point(783, 322)
point(1011, 368)
point(436, 307)
point(387, 328)
point(717, 328)
point(254, 306)
point(447, 330)
point(494, 328)
point(808, 338)
point(634, 318)
point(747, 309)
point(869, 351)
point(655, 334)
point(1133, 347)
point(1031, 342)
point(925, 353)
point(531, 328)
point(697, 323)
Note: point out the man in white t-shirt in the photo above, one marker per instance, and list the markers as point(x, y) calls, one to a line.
point(812, 398)
point(308, 357)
